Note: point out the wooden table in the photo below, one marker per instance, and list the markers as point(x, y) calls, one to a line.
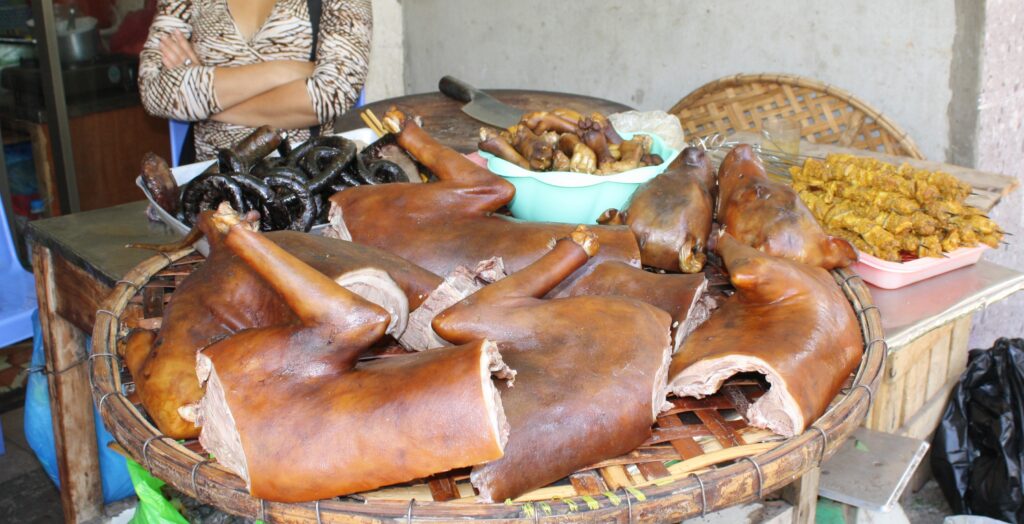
point(78, 258)
point(444, 120)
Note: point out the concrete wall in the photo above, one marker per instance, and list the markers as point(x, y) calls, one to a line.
point(999, 147)
point(949, 72)
point(387, 54)
point(649, 53)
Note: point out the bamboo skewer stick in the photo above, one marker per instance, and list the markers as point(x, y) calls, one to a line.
point(371, 123)
point(376, 121)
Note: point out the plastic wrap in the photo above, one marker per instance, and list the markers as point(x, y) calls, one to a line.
point(977, 449)
point(660, 123)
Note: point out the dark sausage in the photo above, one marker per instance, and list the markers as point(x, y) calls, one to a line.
point(156, 174)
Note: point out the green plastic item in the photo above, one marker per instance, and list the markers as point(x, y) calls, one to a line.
point(153, 507)
point(574, 198)
point(829, 512)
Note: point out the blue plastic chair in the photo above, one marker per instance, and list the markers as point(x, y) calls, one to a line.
point(17, 290)
point(179, 129)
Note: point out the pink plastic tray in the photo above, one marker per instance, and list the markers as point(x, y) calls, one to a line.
point(892, 275)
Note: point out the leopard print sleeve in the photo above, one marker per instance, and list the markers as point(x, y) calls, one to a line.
point(343, 57)
point(181, 93)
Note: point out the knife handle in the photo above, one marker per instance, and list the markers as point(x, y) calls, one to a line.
point(457, 89)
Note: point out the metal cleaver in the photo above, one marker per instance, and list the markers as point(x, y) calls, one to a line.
point(480, 105)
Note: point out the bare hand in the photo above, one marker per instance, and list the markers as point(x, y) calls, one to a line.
point(176, 51)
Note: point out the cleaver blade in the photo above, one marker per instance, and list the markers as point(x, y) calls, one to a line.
point(480, 105)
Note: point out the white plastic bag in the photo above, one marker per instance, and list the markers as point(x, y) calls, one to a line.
point(658, 123)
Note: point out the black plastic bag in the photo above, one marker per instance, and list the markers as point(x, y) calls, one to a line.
point(977, 449)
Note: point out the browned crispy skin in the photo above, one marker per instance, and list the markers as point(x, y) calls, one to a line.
point(769, 215)
point(224, 296)
point(788, 321)
point(588, 371)
point(310, 423)
point(671, 214)
point(681, 296)
point(442, 225)
point(156, 174)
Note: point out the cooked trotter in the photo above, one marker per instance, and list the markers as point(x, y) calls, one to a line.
point(567, 143)
point(583, 160)
point(568, 114)
point(449, 223)
point(670, 214)
point(224, 296)
point(593, 136)
point(536, 149)
point(160, 183)
point(630, 154)
point(787, 321)
point(769, 215)
point(495, 144)
point(610, 134)
point(560, 162)
point(586, 388)
point(297, 381)
point(542, 121)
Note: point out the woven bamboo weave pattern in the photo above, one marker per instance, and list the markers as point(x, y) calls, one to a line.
point(828, 115)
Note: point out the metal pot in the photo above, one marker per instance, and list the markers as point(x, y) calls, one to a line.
point(78, 39)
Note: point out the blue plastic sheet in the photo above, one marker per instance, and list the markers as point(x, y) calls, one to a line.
point(117, 484)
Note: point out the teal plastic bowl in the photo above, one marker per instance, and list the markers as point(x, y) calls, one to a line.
point(574, 198)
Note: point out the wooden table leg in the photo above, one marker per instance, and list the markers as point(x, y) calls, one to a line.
point(803, 495)
point(74, 430)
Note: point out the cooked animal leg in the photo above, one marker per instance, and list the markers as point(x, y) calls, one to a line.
point(787, 321)
point(224, 296)
point(590, 370)
point(494, 144)
point(446, 224)
point(270, 387)
point(542, 122)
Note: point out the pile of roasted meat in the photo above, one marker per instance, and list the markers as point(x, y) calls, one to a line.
point(531, 350)
point(565, 140)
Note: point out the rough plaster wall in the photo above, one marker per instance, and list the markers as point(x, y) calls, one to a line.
point(386, 53)
point(649, 53)
point(1000, 148)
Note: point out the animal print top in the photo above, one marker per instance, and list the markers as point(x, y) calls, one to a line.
point(186, 92)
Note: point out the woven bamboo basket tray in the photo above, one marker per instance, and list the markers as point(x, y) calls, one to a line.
point(701, 458)
point(828, 115)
